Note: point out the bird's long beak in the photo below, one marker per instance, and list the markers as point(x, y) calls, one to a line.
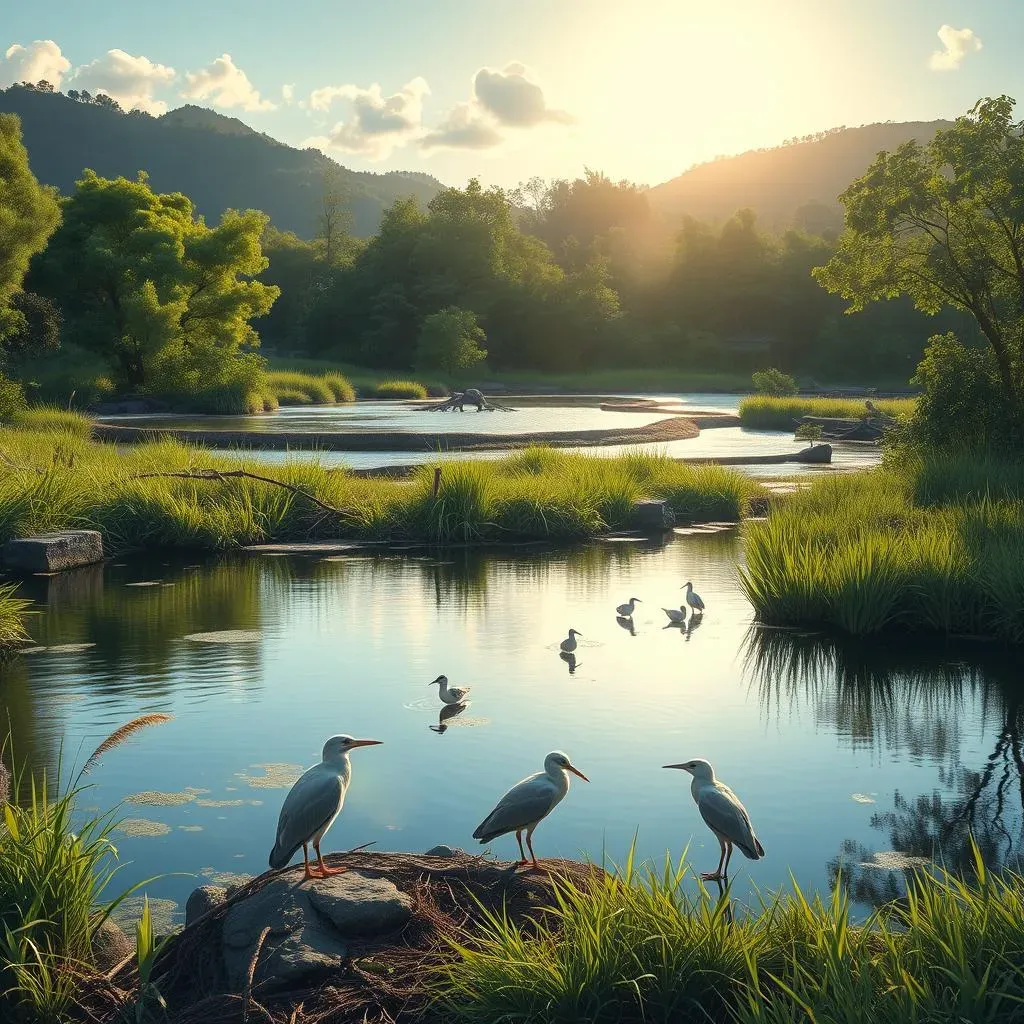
point(366, 743)
point(682, 766)
point(576, 771)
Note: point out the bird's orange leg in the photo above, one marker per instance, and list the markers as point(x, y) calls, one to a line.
point(522, 852)
point(529, 843)
point(327, 872)
point(305, 860)
point(716, 876)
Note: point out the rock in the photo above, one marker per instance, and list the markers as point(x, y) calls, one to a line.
point(442, 851)
point(110, 946)
point(53, 552)
point(310, 924)
point(202, 901)
point(652, 515)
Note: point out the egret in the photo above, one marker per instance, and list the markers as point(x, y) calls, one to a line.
point(450, 694)
point(676, 616)
point(312, 805)
point(568, 645)
point(626, 610)
point(528, 802)
point(723, 813)
point(694, 600)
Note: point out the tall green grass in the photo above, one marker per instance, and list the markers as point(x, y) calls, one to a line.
point(394, 389)
point(637, 947)
point(929, 546)
point(296, 388)
point(760, 412)
point(12, 618)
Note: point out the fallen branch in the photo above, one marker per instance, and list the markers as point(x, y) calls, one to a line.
point(223, 474)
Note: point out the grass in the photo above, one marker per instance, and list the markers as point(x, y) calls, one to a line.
point(12, 618)
point(931, 545)
point(636, 947)
point(292, 387)
point(58, 479)
point(394, 389)
point(51, 418)
point(759, 412)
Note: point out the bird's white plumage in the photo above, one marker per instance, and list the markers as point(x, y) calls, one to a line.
point(310, 807)
point(726, 816)
point(675, 614)
point(528, 801)
point(451, 694)
point(693, 599)
point(626, 610)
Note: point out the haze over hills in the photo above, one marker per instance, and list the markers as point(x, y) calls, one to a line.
point(777, 182)
point(218, 161)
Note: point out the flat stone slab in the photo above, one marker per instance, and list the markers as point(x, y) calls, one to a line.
point(651, 515)
point(53, 552)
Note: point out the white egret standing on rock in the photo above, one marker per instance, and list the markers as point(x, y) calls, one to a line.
point(676, 616)
point(450, 694)
point(626, 610)
point(723, 813)
point(568, 645)
point(312, 805)
point(693, 599)
point(528, 802)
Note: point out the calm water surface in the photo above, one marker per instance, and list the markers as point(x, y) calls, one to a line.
point(841, 755)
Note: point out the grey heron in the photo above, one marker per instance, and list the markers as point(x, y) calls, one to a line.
point(528, 802)
point(723, 813)
point(568, 645)
point(693, 599)
point(626, 610)
point(450, 694)
point(312, 805)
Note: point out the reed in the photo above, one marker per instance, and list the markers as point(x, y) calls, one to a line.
point(761, 412)
point(292, 387)
point(12, 619)
point(385, 389)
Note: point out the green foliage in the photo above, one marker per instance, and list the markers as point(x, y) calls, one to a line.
point(765, 413)
point(12, 398)
point(635, 948)
point(808, 432)
point(450, 340)
point(52, 418)
point(12, 621)
point(394, 389)
point(942, 224)
point(774, 383)
point(295, 388)
point(147, 949)
point(922, 546)
point(161, 297)
point(34, 327)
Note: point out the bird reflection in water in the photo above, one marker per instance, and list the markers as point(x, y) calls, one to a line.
point(570, 659)
point(694, 622)
point(626, 622)
point(448, 712)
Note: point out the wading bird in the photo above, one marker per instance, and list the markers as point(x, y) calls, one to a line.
point(693, 599)
point(723, 813)
point(676, 616)
point(528, 802)
point(312, 805)
point(450, 694)
point(626, 623)
point(568, 645)
point(626, 610)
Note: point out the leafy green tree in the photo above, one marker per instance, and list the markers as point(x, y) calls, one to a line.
point(450, 340)
point(944, 225)
point(29, 213)
point(164, 298)
point(773, 382)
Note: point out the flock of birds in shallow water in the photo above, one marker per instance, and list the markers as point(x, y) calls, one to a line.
point(316, 800)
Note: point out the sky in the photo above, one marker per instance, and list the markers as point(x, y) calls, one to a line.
point(504, 90)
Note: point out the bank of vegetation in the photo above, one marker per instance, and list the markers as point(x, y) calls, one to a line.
point(765, 412)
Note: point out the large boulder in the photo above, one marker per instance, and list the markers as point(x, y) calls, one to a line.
point(311, 925)
point(651, 514)
point(53, 552)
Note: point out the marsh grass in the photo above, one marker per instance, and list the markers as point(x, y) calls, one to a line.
point(59, 479)
point(761, 412)
point(394, 389)
point(930, 546)
point(639, 946)
point(12, 619)
point(292, 387)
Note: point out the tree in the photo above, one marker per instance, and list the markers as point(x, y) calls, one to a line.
point(147, 285)
point(773, 382)
point(29, 213)
point(333, 217)
point(944, 224)
point(450, 340)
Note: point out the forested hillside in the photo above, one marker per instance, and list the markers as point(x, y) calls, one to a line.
point(217, 161)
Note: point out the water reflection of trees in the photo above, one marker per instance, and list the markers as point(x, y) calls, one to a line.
point(912, 696)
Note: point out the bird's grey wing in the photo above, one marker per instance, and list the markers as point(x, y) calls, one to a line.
point(726, 816)
point(524, 804)
point(698, 602)
point(312, 802)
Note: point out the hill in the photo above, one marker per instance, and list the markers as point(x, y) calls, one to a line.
point(217, 161)
point(777, 182)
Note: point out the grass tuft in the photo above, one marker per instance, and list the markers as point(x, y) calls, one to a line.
point(761, 412)
point(387, 389)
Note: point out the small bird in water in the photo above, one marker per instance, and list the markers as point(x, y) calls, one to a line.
point(312, 805)
point(626, 610)
point(450, 694)
point(449, 711)
point(723, 813)
point(568, 645)
point(528, 802)
point(693, 599)
point(676, 617)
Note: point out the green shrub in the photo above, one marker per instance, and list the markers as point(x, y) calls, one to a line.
point(386, 389)
point(774, 383)
point(340, 387)
point(12, 398)
point(450, 340)
point(293, 396)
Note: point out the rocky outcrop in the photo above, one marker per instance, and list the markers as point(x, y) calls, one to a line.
point(53, 552)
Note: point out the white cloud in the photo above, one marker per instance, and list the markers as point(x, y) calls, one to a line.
point(288, 92)
point(378, 124)
point(131, 81)
point(224, 84)
point(41, 60)
point(958, 42)
point(513, 99)
point(509, 98)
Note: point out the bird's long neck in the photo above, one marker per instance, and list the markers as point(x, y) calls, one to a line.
point(560, 777)
point(342, 765)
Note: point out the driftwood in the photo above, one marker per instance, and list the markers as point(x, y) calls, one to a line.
point(459, 401)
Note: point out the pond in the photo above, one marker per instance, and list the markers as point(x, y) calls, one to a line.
point(842, 755)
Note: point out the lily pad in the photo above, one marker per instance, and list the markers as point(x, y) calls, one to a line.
point(137, 827)
point(225, 878)
point(153, 798)
point(275, 776)
point(227, 636)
